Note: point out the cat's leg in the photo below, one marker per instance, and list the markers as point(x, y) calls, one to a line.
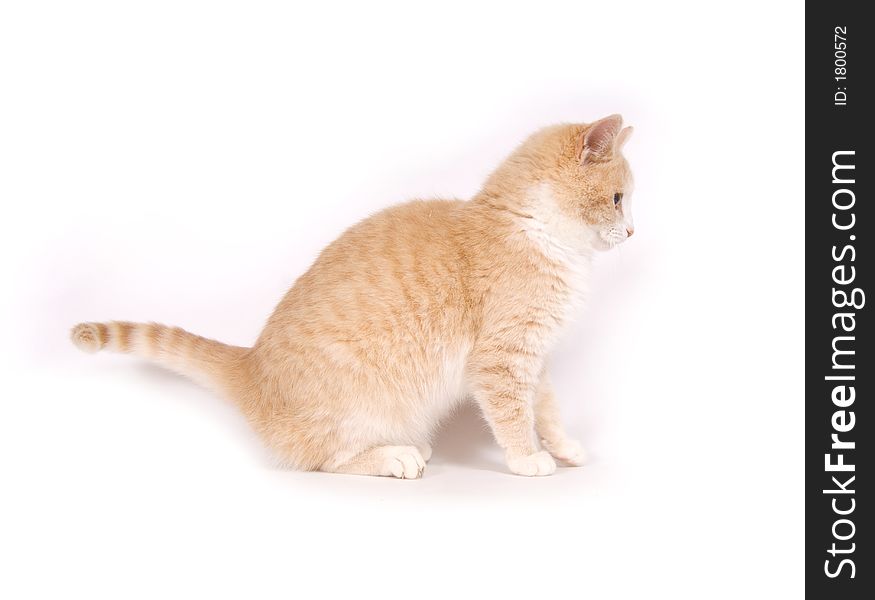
point(503, 383)
point(403, 462)
point(549, 427)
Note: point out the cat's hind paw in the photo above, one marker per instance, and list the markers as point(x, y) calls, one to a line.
point(569, 452)
point(404, 462)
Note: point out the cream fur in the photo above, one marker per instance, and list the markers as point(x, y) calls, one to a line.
point(419, 308)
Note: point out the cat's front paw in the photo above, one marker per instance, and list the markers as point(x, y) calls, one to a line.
point(569, 452)
point(537, 464)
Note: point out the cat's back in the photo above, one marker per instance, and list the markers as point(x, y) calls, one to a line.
point(416, 238)
point(400, 270)
point(422, 226)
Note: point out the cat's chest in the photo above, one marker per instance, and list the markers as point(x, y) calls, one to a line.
point(535, 308)
point(567, 295)
point(561, 289)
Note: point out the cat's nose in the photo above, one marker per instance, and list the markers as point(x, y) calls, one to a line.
point(630, 231)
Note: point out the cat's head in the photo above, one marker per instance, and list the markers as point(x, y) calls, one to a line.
point(592, 181)
point(577, 184)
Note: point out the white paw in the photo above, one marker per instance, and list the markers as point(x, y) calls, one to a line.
point(539, 463)
point(403, 462)
point(569, 452)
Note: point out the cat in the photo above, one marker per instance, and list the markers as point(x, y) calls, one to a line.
point(419, 308)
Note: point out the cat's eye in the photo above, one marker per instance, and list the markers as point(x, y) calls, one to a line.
point(617, 197)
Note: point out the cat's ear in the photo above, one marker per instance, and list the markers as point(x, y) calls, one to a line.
point(622, 138)
point(598, 141)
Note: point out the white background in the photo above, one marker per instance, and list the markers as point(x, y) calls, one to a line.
point(185, 161)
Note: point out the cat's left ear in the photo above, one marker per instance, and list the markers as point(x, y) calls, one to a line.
point(599, 139)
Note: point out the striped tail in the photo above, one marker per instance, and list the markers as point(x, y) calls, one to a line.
point(213, 364)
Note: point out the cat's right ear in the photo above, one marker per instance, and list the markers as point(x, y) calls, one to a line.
point(598, 140)
point(622, 138)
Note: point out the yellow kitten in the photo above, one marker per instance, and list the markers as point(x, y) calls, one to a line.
point(421, 307)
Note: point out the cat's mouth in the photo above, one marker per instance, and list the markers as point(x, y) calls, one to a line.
point(611, 238)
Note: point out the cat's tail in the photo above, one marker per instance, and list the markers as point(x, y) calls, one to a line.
point(213, 364)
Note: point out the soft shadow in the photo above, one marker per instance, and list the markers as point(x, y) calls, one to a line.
point(465, 440)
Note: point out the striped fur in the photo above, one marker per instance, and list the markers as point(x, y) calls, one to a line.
point(213, 364)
